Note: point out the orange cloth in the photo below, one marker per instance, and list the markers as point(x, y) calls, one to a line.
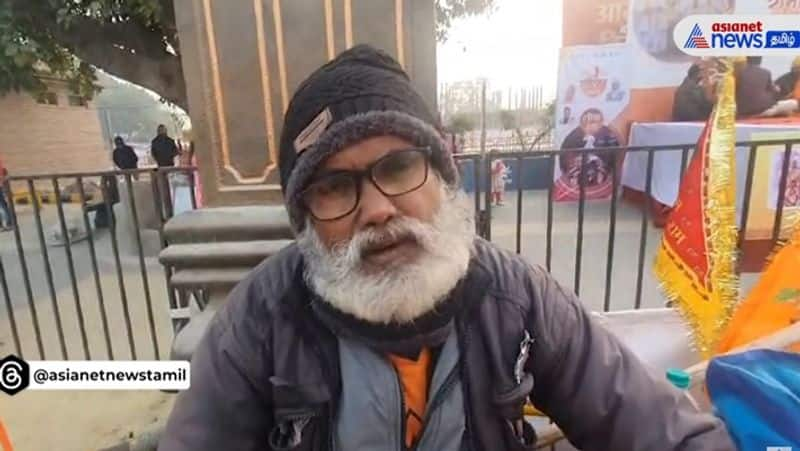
point(414, 381)
point(773, 304)
point(5, 441)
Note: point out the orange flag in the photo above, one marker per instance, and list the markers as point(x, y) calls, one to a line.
point(773, 304)
point(696, 261)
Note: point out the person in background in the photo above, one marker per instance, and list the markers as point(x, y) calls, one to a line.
point(163, 148)
point(755, 93)
point(591, 133)
point(499, 180)
point(691, 103)
point(124, 155)
point(788, 84)
point(6, 220)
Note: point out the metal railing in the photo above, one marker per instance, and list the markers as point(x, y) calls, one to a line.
point(117, 313)
point(111, 315)
point(478, 169)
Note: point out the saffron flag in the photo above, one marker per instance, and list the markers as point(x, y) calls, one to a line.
point(5, 441)
point(696, 261)
point(773, 304)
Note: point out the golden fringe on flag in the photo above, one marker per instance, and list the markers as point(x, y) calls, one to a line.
point(696, 263)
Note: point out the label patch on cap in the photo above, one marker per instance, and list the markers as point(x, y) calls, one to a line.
point(309, 136)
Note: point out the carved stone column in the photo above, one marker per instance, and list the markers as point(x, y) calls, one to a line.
point(243, 59)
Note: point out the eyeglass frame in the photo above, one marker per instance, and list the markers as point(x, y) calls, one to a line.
point(366, 173)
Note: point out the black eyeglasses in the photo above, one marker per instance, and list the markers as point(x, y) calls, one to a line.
point(336, 194)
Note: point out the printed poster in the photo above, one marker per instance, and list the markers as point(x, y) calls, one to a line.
point(766, 186)
point(594, 88)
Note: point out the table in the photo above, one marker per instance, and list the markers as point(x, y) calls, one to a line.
point(667, 164)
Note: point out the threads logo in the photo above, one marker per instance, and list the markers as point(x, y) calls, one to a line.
point(14, 375)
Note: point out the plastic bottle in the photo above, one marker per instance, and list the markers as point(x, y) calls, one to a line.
point(683, 381)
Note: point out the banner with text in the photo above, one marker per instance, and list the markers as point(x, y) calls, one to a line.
point(597, 22)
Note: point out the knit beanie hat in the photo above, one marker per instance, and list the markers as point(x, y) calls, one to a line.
point(361, 93)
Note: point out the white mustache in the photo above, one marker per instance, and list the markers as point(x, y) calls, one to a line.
point(404, 228)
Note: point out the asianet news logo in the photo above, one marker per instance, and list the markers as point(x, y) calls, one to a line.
point(732, 35)
point(727, 35)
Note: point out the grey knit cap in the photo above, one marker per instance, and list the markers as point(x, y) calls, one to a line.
point(360, 94)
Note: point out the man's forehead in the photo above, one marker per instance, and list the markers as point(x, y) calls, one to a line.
point(363, 153)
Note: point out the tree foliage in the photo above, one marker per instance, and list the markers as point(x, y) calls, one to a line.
point(135, 40)
point(449, 10)
point(461, 123)
point(508, 120)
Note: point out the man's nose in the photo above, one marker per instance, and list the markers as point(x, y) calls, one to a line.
point(375, 208)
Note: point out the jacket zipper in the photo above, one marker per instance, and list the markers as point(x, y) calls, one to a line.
point(330, 427)
point(464, 340)
point(438, 399)
point(326, 371)
point(399, 384)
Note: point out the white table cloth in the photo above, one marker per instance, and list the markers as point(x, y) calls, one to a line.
point(667, 163)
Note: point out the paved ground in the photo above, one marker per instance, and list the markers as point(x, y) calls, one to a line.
point(90, 305)
point(625, 267)
point(80, 421)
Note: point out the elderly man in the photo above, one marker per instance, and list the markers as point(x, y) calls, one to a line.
point(389, 325)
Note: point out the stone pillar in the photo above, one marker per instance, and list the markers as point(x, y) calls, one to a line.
point(243, 59)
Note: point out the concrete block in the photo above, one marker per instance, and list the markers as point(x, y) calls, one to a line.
point(229, 224)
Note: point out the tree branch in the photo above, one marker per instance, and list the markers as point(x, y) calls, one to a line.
point(128, 52)
point(129, 34)
point(163, 76)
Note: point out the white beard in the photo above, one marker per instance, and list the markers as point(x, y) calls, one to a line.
point(395, 294)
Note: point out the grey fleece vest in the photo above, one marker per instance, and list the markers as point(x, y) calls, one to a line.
point(371, 412)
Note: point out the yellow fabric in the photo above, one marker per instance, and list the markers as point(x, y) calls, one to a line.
point(796, 62)
point(696, 261)
point(414, 381)
point(773, 304)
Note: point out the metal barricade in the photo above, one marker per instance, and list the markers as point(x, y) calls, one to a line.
point(99, 296)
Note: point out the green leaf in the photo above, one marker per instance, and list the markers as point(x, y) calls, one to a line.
point(23, 59)
point(11, 50)
point(62, 16)
point(788, 295)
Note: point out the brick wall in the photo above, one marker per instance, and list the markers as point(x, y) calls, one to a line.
point(36, 138)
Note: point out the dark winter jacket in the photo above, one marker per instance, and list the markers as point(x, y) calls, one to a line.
point(164, 150)
point(125, 157)
point(268, 371)
point(691, 103)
